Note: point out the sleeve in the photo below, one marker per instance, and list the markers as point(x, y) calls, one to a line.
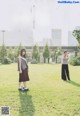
point(19, 63)
point(27, 63)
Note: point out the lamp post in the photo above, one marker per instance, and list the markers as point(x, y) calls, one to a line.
point(33, 7)
point(3, 31)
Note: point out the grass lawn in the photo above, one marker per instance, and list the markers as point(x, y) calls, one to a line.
point(48, 95)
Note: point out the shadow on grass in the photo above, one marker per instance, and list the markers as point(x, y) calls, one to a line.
point(73, 83)
point(26, 105)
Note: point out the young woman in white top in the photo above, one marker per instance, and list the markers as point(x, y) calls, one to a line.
point(65, 68)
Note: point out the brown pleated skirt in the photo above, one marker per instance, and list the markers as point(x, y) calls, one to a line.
point(24, 76)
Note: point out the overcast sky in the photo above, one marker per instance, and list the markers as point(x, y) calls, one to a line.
point(18, 15)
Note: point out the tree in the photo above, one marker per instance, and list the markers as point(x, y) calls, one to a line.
point(19, 49)
point(57, 53)
point(76, 34)
point(35, 53)
point(3, 53)
point(10, 53)
point(46, 53)
point(16, 51)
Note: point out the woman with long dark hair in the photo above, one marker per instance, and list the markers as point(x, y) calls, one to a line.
point(65, 68)
point(23, 70)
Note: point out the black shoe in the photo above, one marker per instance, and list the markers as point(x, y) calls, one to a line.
point(20, 89)
point(64, 80)
point(26, 90)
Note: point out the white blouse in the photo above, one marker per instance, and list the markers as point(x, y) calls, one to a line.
point(64, 60)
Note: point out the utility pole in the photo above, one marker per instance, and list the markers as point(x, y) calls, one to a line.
point(33, 9)
point(3, 31)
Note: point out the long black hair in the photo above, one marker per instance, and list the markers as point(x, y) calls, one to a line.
point(23, 50)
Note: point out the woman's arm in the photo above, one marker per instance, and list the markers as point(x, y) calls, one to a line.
point(19, 61)
point(66, 57)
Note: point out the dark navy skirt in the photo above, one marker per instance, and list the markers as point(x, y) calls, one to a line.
point(24, 76)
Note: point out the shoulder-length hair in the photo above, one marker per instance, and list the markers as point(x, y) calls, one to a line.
point(23, 50)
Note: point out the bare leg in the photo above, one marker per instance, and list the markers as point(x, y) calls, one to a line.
point(19, 84)
point(24, 83)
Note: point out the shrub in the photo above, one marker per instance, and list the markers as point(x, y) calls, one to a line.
point(75, 61)
point(34, 61)
point(6, 60)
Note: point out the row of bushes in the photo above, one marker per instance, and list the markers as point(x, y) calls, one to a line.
point(75, 61)
point(6, 60)
point(9, 61)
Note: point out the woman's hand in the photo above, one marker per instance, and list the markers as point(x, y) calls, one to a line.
point(20, 71)
point(66, 57)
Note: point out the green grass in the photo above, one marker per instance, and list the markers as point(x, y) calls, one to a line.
point(48, 95)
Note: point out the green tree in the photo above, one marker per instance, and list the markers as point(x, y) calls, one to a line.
point(3, 53)
point(46, 53)
point(19, 49)
point(35, 53)
point(14, 52)
point(57, 53)
point(76, 34)
point(10, 54)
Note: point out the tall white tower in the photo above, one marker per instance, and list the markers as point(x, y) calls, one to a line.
point(33, 11)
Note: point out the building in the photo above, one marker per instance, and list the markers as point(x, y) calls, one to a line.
point(56, 37)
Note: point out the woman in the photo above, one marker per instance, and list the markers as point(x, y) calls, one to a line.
point(23, 70)
point(65, 69)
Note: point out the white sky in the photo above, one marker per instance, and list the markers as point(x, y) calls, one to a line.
point(16, 14)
